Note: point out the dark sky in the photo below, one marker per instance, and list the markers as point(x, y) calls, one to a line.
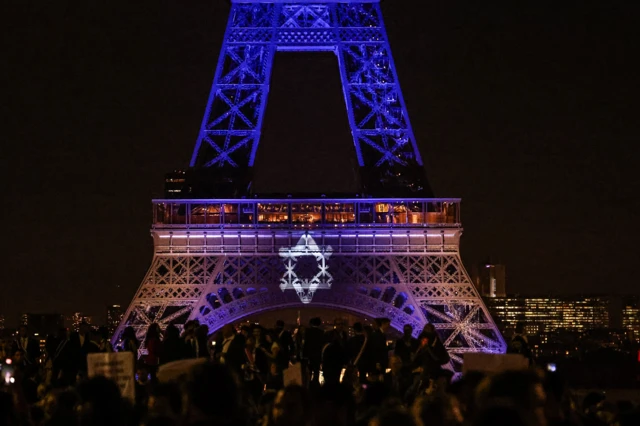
point(526, 110)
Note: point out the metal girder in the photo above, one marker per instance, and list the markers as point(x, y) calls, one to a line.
point(225, 282)
point(409, 289)
point(355, 31)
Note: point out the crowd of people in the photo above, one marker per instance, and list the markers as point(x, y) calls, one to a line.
point(237, 377)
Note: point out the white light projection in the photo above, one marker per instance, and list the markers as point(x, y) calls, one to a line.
point(306, 268)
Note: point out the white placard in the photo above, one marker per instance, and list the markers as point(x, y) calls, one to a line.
point(117, 366)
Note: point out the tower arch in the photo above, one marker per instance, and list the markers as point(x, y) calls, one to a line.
point(221, 253)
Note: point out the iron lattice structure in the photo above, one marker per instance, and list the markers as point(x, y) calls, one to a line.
point(220, 260)
point(384, 142)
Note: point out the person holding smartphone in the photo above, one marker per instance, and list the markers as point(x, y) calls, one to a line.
point(427, 363)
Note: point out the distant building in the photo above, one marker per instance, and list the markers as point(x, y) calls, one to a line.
point(175, 184)
point(490, 279)
point(114, 316)
point(586, 314)
point(548, 314)
point(78, 318)
point(42, 325)
point(631, 317)
point(1, 322)
point(508, 311)
point(206, 182)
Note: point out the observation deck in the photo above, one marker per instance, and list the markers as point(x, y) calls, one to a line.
point(357, 225)
point(313, 213)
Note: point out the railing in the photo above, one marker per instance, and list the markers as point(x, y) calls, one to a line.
point(272, 241)
point(306, 213)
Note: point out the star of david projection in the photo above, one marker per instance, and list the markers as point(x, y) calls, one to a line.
point(306, 268)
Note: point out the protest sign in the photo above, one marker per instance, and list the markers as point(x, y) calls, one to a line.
point(117, 366)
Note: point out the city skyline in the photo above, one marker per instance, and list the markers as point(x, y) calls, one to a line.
point(532, 161)
point(102, 317)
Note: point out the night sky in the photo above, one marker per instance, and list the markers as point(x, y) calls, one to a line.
point(525, 110)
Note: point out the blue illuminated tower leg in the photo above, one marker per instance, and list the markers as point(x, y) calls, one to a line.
point(379, 121)
point(231, 126)
point(385, 145)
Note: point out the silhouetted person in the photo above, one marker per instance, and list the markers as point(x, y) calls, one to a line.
point(172, 346)
point(285, 341)
point(60, 407)
point(190, 340)
point(9, 414)
point(64, 360)
point(367, 362)
point(334, 356)
point(232, 349)
point(255, 368)
point(431, 354)
point(201, 335)
point(406, 345)
point(519, 343)
point(87, 345)
point(153, 343)
point(292, 407)
point(29, 382)
point(100, 403)
point(378, 343)
point(275, 380)
point(205, 404)
point(28, 345)
point(272, 349)
point(393, 417)
point(335, 405)
point(299, 340)
point(130, 342)
point(102, 338)
point(522, 389)
point(313, 343)
point(356, 349)
point(440, 410)
point(397, 381)
point(245, 332)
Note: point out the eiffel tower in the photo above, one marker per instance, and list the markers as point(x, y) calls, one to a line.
point(223, 253)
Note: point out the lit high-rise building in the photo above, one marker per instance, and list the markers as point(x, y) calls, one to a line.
point(507, 311)
point(78, 318)
point(114, 316)
point(490, 279)
point(631, 317)
point(1, 322)
point(585, 314)
point(542, 314)
point(546, 314)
